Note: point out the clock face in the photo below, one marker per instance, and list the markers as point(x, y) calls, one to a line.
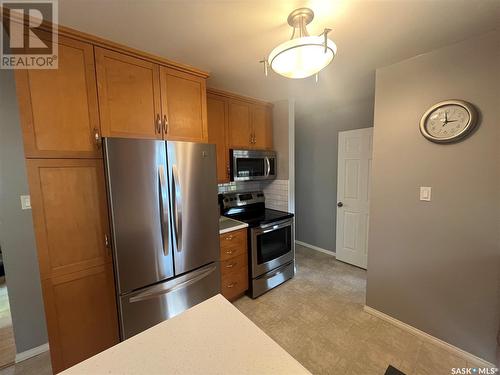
point(448, 121)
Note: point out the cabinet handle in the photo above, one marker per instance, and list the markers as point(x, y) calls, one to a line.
point(231, 265)
point(107, 244)
point(229, 252)
point(229, 238)
point(97, 138)
point(165, 124)
point(232, 285)
point(251, 138)
point(158, 123)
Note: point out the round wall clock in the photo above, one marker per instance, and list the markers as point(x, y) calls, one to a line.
point(448, 121)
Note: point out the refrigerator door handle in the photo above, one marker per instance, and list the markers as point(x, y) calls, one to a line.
point(177, 204)
point(178, 283)
point(163, 208)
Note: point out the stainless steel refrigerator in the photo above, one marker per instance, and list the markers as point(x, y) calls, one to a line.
point(164, 214)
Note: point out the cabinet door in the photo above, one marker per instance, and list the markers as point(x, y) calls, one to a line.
point(129, 96)
point(81, 315)
point(59, 112)
point(184, 106)
point(68, 199)
point(217, 131)
point(261, 127)
point(239, 127)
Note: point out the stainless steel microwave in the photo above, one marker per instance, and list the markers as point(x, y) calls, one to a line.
point(249, 165)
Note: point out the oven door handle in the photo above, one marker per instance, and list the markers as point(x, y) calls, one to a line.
point(272, 227)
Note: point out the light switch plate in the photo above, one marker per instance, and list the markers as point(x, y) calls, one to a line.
point(425, 193)
point(25, 202)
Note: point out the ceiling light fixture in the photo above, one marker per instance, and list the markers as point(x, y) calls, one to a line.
point(303, 55)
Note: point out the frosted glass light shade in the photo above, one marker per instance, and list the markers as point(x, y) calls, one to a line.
point(302, 57)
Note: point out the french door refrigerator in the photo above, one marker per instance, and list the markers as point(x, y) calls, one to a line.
point(164, 215)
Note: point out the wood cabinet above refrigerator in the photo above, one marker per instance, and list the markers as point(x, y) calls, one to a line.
point(141, 99)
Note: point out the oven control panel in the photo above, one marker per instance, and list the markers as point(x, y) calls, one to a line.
point(242, 199)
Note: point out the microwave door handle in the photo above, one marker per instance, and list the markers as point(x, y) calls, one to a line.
point(268, 163)
point(163, 209)
point(177, 205)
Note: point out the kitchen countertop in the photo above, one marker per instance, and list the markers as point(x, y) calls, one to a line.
point(228, 225)
point(213, 337)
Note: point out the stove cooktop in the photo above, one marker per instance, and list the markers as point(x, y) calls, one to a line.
point(254, 219)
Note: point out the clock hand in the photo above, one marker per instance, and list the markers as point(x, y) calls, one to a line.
point(445, 119)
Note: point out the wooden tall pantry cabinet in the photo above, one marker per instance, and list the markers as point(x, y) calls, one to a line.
point(100, 89)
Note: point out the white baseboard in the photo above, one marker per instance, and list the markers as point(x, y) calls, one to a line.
point(429, 338)
point(332, 253)
point(32, 352)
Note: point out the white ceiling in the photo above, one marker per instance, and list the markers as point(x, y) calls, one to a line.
point(228, 38)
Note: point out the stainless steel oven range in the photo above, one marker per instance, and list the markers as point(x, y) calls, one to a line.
point(271, 239)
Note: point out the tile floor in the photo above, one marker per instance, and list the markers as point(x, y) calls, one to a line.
point(7, 345)
point(318, 318)
point(39, 365)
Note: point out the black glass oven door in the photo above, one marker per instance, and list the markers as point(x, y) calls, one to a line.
point(273, 244)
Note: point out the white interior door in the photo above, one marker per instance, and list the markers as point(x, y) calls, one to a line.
point(353, 195)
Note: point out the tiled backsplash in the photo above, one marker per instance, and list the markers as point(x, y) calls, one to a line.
point(276, 191)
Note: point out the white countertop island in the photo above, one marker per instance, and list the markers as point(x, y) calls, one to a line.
point(210, 338)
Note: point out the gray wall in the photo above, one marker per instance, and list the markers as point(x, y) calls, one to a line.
point(16, 227)
point(435, 265)
point(280, 137)
point(316, 139)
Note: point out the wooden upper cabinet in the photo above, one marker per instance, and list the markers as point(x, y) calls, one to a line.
point(70, 214)
point(239, 127)
point(184, 106)
point(217, 130)
point(129, 95)
point(81, 315)
point(58, 107)
point(262, 127)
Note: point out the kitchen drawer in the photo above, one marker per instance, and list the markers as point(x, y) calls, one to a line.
point(234, 265)
point(234, 284)
point(233, 244)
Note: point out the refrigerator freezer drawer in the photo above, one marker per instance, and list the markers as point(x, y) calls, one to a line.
point(147, 307)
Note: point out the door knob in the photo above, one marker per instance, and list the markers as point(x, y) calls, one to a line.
point(340, 204)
